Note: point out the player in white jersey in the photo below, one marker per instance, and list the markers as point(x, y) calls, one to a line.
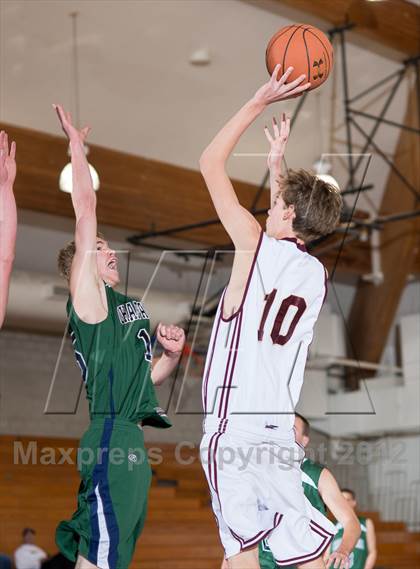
point(258, 348)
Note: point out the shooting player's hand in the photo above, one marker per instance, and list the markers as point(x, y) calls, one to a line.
point(279, 90)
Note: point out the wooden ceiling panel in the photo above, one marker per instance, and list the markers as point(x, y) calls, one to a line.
point(394, 23)
point(136, 193)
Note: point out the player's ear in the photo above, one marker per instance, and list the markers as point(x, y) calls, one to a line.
point(289, 212)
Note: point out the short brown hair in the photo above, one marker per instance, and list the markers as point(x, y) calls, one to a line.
point(351, 492)
point(65, 257)
point(317, 204)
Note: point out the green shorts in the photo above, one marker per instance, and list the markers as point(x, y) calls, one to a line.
point(112, 499)
point(266, 558)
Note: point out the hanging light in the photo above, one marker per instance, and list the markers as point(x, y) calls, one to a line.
point(65, 181)
point(330, 180)
point(322, 169)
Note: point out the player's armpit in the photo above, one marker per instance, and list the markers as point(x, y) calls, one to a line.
point(239, 223)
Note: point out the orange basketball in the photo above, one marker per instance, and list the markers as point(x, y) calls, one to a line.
point(303, 47)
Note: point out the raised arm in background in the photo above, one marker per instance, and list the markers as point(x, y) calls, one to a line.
point(276, 155)
point(8, 218)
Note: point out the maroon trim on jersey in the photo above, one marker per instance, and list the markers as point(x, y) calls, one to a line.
point(221, 430)
point(210, 461)
point(228, 388)
point(248, 282)
point(300, 246)
point(244, 544)
point(206, 379)
point(326, 286)
point(224, 386)
point(327, 537)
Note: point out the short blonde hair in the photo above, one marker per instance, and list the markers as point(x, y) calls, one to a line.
point(66, 255)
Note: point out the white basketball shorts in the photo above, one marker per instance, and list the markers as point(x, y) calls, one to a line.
point(256, 491)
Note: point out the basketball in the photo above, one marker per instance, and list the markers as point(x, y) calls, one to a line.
point(303, 47)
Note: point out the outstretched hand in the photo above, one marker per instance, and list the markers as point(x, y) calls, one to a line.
point(279, 90)
point(7, 160)
point(69, 129)
point(278, 141)
point(338, 560)
point(171, 338)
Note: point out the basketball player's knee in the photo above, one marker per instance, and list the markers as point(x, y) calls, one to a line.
point(83, 563)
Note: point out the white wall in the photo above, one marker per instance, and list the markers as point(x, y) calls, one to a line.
point(27, 364)
point(394, 479)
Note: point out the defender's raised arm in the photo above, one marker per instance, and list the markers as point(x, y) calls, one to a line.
point(276, 155)
point(83, 277)
point(8, 218)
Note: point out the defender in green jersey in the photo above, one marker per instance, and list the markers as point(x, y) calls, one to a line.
point(363, 555)
point(111, 339)
point(322, 490)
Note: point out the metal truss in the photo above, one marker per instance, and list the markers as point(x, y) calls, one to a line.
point(353, 165)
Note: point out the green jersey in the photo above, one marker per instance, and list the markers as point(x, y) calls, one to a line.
point(115, 357)
point(311, 473)
point(359, 554)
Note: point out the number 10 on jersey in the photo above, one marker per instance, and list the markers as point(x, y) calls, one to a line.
point(291, 300)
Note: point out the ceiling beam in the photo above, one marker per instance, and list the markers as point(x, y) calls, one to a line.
point(139, 194)
point(136, 193)
point(374, 307)
point(392, 24)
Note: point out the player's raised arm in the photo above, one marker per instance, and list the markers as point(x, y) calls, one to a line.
point(275, 158)
point(343, 512)
point(84, 281)
point(241, 226)
point(8, 218)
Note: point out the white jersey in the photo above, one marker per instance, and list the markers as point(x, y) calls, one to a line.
point(256, 358)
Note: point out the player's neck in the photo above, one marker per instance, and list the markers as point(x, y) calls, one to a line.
point(285, 234)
